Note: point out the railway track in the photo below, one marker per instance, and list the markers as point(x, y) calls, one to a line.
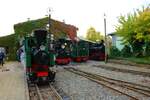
point(133, 72)
point(43, 92)
point(131, 90)
point(145, 74)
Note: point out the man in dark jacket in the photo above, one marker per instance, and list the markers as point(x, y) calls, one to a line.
point(1, 58)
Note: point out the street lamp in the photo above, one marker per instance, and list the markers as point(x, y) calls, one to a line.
point(50, 35)
point(105, 38)
point(49, 19)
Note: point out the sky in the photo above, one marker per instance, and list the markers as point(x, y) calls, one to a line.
point(81, 13)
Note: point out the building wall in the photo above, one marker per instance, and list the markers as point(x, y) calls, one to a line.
point(119, 44)
point(113, 40)
point(116, 41)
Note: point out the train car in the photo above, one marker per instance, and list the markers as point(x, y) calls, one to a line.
point(39, 57)
point(80, 51)
point(97, 51)
point(63, 51)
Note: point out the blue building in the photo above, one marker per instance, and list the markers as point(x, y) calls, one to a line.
point(116, 41)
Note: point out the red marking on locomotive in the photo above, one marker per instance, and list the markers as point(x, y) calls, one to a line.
point(63, 60)
point(80, 59)
point(41, 74)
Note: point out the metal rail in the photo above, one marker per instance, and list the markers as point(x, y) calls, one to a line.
point(55, 93)
point(34, 94)
point(39, 93)
point(145, 90)
point(104, 81)
point(119, 82)
point(43, 92)
point(134, 72)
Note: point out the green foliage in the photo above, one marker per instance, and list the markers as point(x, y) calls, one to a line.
point(126, 51)
point(147, 49)
point(93, 35)
point(9, 42)
point(141, 60)
point(114, 52)
point(126, 27)
point(22, 29)
point(135, 29)
point(59, 29)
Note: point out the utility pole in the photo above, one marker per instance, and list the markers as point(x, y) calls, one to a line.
point(105, 38)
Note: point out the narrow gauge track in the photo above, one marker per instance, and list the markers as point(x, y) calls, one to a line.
point(133, 91)
point(145, 74)
point(43, 92)
point(125, 62)
point(133, 72)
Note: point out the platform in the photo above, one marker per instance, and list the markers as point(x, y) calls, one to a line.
point(12, 82)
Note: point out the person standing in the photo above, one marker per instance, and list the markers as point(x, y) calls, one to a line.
point(1, 58)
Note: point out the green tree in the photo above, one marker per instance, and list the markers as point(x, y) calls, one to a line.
point(143, 28)
point(93, 35)
point(135, 30)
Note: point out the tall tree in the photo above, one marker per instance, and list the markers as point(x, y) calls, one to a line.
point(143, 28)
point(135, 29)
point(93, 35)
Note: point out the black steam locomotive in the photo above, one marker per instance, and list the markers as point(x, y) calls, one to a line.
point(97, 51)
point(63, 49)
point(39, 57)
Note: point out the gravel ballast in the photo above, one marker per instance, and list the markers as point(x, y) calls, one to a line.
point(80, 88)
point(129, 77)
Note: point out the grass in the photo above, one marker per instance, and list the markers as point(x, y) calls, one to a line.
point(138, 60)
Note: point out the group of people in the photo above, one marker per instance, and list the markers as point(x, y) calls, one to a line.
point(2, 56)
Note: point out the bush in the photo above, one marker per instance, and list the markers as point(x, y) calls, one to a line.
point(147, 49)
point(138, 49)
point(9, 42)
point(114, 52)
point(126, 51)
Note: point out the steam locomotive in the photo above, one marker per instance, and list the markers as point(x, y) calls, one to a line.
point(78, 51)
point(97, 51)
point(63, 49)
point(40, 57)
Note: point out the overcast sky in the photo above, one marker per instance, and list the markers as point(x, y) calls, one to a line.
point(81, 13)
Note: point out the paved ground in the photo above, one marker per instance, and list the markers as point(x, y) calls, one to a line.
point(12, 83)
